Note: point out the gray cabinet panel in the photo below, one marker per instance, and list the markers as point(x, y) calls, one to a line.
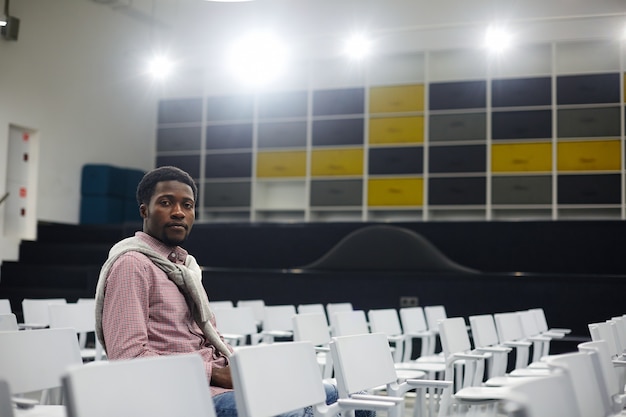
point(227, 194)
point(189, 163)
point(229, 108)
point(336, 193)
point(229, 136)
point(338, 132)
point(448, 127)
point(522, 190)
point(179, 138)
point(234, 165)
point(589, 189)
point(286, 134)
point(583, 123)
point(180, 110)
point(457, 191)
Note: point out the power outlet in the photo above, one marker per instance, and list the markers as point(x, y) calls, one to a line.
point(408, 301)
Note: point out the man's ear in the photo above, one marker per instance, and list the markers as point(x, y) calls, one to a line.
point(143, 211)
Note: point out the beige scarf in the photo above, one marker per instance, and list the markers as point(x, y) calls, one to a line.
point(188, 279)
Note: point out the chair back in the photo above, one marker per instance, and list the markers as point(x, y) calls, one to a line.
point(540, 319)
point(385, 321)
point(5, 306)
point(160, 386)
point(36, 312)
point(279, 317)
point(603, 331)
point(434, 314)
point(258, 370)
point(311, 327)
point(36, 360)
point(8, 321)
point(484, 331)
point(585, 379)
point(79, 316)
point(216, 305)
point(236, 320)
point(413, 320)
point(346, 323)
point(546, 396)
point(509, 326)
point(605, 364)
point(258, 306)
point(454, 337)
point(6, 404)
point(312, 308)
point(362, 362)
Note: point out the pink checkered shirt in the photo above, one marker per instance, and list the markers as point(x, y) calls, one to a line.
point(145, 314)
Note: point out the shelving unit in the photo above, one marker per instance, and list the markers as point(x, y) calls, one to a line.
point(434, 135)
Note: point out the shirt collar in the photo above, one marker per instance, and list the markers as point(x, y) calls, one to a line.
point(175, 254)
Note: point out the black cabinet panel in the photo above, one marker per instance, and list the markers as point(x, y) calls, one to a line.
point(457, 191)
point(448, 159)
point(286, 134)
point(227, 194)
point(345, 101)
point(289, 104)
point(179, 138)
point(336, 193)
point(588, 89)
point(522, 124)
point(338, 132)
point(229, 108)
point(585, 123)
point(521, 92)
point(449, 127)
point(180, 110)
point(458, 95)
point(535, 189)
point(229, 136)
point(234, 165)
point(189, 163)
point(589, 189)
point(385, 161)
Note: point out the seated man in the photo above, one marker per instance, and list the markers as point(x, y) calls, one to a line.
point(150, 299)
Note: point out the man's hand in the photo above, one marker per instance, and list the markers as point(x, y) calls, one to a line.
point(221, 377)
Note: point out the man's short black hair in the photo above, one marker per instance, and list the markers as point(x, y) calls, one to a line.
point(148, 183)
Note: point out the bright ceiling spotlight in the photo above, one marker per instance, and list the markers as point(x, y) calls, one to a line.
point(497, 39)
point(258, 58)
point(358, 46)
point(160, 67)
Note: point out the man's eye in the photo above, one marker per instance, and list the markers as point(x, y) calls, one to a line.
point(165, 203)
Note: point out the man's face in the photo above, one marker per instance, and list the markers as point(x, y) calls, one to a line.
point(170, 214)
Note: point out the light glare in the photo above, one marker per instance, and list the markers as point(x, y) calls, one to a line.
point(160, 67)
point(497, 39)
point(258, 58)
point(357, 46)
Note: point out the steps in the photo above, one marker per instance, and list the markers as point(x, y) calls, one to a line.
point(64, 261)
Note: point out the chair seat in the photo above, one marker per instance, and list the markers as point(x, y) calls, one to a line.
point(480, 394)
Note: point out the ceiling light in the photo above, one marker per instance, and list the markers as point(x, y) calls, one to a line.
point(357, 46)
point(497, 39)
point(257, 58)
point(160, 67)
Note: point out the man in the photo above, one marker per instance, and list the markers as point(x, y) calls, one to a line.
point(149, 298)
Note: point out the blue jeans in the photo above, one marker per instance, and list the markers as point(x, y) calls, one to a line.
point(225, 405)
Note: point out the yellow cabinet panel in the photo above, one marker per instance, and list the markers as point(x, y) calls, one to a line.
point(395, 192)
point(604, 155)
point(521, 157)
point(399, 98)
point(337, 162)
point(281, 164)
point(396, 130)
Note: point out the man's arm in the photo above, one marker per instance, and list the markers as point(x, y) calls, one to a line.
point(126, 309)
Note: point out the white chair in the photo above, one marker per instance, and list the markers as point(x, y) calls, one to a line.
point(278, 323)
point(387, 321)
point(313, 327)
point(33, 361)
point(81, 317)
point(215, 305)
point(258, 306)
point(548, 396)
point(161, 386)
point(542, 323)
point(238, 325)
point(35, 312)
point(485, 337)
point(586, 380)
point(332, 308)
point(349, 322)
point(414, 326)
point(614, 390)
point(5, 306)
point(312, 308)
point(511, 334)
point(292, 366)
point(8, 322)
point(364, 363)
point(434, 314)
